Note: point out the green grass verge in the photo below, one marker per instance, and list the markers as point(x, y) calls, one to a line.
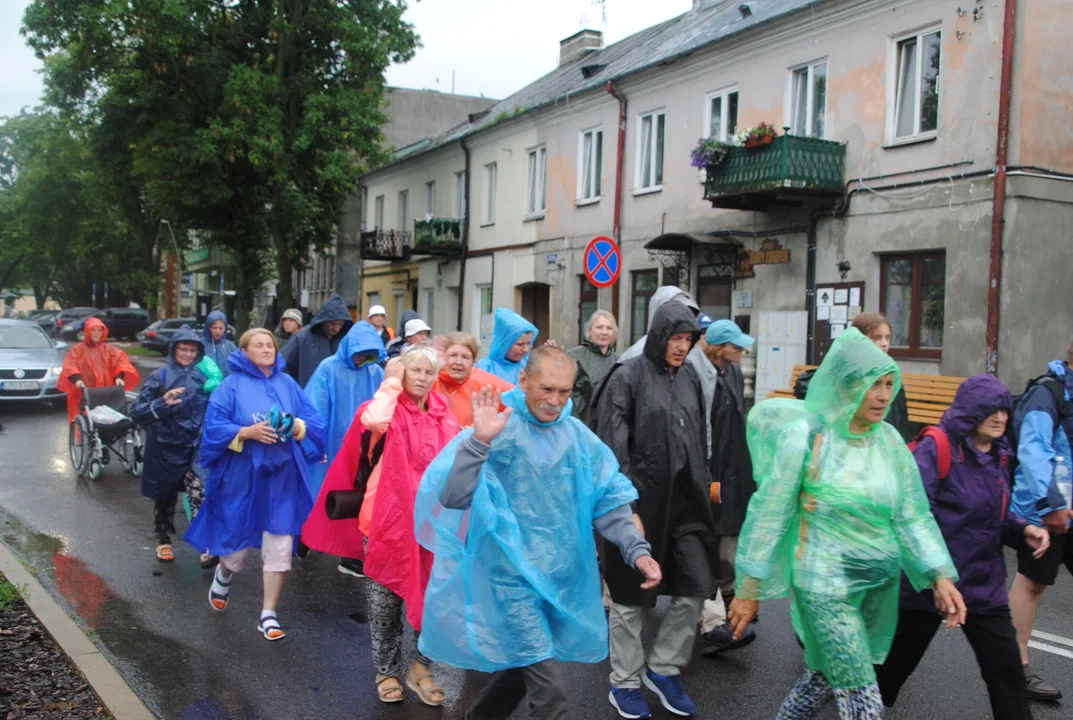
point(136, 350)
point(8, 593)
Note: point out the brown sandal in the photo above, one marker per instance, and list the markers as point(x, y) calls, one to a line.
point(385, 688)
point(164, 553)
point(425, 687)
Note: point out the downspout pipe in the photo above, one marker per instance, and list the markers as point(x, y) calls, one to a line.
point(810, 286)
point(620, 162)
point(998, 211)
point(465, 241)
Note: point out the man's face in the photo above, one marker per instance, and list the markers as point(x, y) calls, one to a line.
point(678, 348)
point(417, 338)
point(185, 353)
point(520, 348)
point(548, 390)
point(290, 326)
point(377, 321)
point(218, 329)
point(332, 327)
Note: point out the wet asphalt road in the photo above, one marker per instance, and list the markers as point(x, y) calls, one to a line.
point(91, 545)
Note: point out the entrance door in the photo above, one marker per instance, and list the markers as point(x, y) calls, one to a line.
point(536, 306)
point(714, 286)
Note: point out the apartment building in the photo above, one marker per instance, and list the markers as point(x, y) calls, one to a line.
point(879, 192)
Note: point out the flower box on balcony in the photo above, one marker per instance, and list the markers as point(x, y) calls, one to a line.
point(438, 236)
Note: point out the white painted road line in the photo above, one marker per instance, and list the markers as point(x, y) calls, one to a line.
point(1050, 648)
point(1052, 638)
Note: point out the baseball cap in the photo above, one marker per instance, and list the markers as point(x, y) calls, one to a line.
point(415, 326)
point(377, 310)
point(704, 321)
point(722, 332)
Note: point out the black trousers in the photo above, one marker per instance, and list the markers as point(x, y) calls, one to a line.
point(993, 640)
point(543, 683)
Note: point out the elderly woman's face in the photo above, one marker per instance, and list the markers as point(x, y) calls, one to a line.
point(458, 361)
point(994, 426)
point(874, 407)
point(418, 379)
point(602, 333)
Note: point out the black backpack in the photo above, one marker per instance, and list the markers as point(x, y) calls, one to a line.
point(1063, 409)
point(801, 385)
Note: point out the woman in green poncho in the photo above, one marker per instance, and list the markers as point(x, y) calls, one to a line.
point(839, 513)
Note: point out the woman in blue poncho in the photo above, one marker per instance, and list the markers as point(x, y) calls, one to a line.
point(512, 338)
point(261, 432)
point(217, 347)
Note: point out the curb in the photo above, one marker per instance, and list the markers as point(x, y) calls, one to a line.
point(111, 688)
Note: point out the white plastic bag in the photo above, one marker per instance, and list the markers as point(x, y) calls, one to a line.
point(104, 415)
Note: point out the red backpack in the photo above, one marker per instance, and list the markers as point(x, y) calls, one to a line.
point(942, 447)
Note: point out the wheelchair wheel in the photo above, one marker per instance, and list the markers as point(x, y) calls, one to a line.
point(94, 471)
point(80, 444)
point(137, 459)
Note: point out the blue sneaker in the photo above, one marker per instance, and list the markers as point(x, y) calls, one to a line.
point(629, 702)
point(671, 692)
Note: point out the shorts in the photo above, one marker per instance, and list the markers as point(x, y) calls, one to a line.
point(276, 553)
point(1045, 570)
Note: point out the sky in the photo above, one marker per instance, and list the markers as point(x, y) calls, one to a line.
point(493, 47)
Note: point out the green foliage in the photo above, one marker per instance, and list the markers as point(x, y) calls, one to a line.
point(8, 593)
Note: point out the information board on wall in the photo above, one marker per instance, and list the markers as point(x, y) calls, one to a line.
point(837, 304)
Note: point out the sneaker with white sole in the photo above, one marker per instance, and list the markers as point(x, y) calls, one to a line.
point(351, 567)
point(629, 702)
point(671, 692)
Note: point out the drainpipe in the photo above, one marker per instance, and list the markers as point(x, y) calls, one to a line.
point(619, 164)
point(465, 242)
point(810, 286)
point(363, 193)
point(998, 211)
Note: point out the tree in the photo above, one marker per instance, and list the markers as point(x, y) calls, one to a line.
point(249, 119)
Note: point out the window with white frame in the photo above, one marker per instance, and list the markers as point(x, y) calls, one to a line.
point(590, 164)
point(536, 195)
point(430, 198)
point(490, 194)
point(650, 150)
point(915, 97)
point(484, 317)
point(721, 115)
point(460, 194)
point(404, 210)
point(808, 100)
point(379, 213)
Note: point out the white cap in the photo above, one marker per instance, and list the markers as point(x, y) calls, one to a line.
point(415, 326)
point(377, 310)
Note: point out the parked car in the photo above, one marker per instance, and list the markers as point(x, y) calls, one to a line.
point(157, 336)
point(30, 363)
point(122, 323)
point(70, 315)
point(45, 319)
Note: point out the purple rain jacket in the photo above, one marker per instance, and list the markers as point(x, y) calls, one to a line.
point(972, 505)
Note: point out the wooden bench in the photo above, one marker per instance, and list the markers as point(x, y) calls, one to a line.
point(927, 396)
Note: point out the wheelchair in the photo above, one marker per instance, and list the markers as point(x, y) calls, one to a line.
point(92, 445)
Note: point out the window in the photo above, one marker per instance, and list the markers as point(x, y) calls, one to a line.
point(400, 302)
point(644, 286)
point(808, 100)
point(714, 285)
point(374, 299)
point(490, 194)
point(722, 115)
point(484, 319)
point(430, 304)
point(588, 303)
point(916, 86)
point(536, 197)
point(650, 151)
point(590, 164)
point(404, 210)
point(913, 296)
point(460, 194)
point(379, 213)
point(430, 199)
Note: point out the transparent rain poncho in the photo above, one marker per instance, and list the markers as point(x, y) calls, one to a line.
point(837, 516)
point(515, 578)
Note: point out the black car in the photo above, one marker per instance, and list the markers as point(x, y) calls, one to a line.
point(68, 316)
point(157, 336)
point(121, 323)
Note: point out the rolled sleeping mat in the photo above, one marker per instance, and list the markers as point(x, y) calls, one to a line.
point(344, 504)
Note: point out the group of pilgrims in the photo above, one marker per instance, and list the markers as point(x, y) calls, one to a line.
point(528, 508)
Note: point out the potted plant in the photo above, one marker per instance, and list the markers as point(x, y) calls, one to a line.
point(762, 134)
point(709, 154)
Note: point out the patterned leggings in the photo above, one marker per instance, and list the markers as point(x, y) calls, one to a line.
point(164, 510)
point(812, 692)
point(385, 627)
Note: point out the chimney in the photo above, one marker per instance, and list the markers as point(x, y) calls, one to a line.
point(579, 45)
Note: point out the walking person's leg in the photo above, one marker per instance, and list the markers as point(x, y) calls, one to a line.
point(1034, 576)
point(545, 691)
point(164, 526)
point(500, 697)
point(385, 629)
point(276, 553)
point(627, 656)
point(806, 698)
point(716, 636)
point(420, 678)
point(994, 641)
point(914, 634)
point(671, 651)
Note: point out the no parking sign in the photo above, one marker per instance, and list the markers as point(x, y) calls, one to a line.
point(602, 262)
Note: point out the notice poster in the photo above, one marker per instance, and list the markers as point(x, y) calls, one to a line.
point(823, 312)
point(825, 296)
point(839, 315)
point(836, 330)
point(855, 297)
point(841, 296)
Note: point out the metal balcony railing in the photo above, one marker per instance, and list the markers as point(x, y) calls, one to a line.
point(438, 236)
point(385, 245)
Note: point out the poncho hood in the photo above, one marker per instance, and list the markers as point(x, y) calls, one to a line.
point(334, 309)
point(237, 362)
point(407, 316)
point(184, 334)
point(851, 368)
point(666, 294)
point(94, 322)
point(978, 398)
point(509, 326)
point(206, 332)
point(362, 338)
point(516, 399)
point(671, 319)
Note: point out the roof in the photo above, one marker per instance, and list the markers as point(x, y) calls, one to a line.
point(674, 38)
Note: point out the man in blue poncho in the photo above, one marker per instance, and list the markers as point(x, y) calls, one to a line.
point(508, 509)
point(512, 338)
point(217, 347)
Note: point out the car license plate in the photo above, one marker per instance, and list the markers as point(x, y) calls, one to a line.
point(20, 385)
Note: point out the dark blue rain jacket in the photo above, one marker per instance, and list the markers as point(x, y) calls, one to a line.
point(217, 350)
point(309, 347)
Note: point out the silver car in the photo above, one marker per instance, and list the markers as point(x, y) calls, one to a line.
point(30, 363)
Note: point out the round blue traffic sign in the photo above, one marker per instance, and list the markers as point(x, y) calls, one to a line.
point(602, 262)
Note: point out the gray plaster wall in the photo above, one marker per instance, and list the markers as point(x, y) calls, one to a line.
point(418, 114)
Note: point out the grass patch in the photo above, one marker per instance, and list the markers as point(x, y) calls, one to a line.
point(8, 593)
point(140, 351)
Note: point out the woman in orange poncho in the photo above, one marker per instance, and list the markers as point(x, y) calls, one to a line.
point(459, 379)
point(94, 363)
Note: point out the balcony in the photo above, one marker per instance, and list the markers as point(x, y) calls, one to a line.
point(791, 172)
point(385, 245)
point(438, 236)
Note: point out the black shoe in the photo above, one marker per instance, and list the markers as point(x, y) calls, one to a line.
point(721, 639)
point(301, 550)
point(1039, 690)
point(354, 568)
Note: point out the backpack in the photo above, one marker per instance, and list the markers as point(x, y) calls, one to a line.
point(801, 386)
point(942, 447)
point(1063, 408)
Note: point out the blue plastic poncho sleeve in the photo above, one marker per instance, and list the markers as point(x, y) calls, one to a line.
point(220, 425)
point(613, 489)
point(312, 444)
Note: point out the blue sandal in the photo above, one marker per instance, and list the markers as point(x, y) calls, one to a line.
point(217, 600)
point(269, 627)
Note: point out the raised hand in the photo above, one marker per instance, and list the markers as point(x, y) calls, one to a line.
point(171, 397)
point(394, 369)
point(488, 422)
